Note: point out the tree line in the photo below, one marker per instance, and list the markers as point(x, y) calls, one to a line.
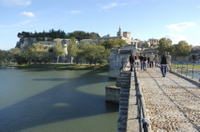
point(52, 34)
point(80, 53)
point(180, 49)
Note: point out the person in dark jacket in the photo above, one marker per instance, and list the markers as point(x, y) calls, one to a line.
point(144, 63)
point(132, 61)
point(163, 64)
point(141, 59)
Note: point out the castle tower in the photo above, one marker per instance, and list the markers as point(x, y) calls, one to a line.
point(127, 35)
point(119, 33)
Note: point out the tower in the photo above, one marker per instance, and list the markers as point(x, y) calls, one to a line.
point(127, 35)
point(119, 33)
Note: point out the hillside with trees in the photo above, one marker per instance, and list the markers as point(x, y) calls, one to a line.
point(52, 34)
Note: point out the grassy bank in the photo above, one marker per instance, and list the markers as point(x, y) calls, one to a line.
point(63, 66)
point(186, 66)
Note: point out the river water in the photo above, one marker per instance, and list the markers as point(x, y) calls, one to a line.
point(55, 101)
point(190, 74)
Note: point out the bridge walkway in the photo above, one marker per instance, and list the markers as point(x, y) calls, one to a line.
point(172, 103)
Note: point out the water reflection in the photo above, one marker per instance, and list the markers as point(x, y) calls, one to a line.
point(58, 98)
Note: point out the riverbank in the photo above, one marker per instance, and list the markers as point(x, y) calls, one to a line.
point(178, 66)
point(63, 66)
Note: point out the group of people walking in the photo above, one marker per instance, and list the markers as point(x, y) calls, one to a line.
point(151, 61)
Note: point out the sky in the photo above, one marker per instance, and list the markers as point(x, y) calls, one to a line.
point(175, 19)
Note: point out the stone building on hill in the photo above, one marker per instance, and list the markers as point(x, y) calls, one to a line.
point(24, 42)
point(27, 41)
point(121, 35)
point(127, 37)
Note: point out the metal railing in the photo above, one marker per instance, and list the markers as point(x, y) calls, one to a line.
point(143, 122)
point(186, 69)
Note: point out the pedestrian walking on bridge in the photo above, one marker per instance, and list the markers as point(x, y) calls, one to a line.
point(144, 63)
point(169, 61)
point(132, 61)
point(163, 64)
point(151, 59)
point(156, 59)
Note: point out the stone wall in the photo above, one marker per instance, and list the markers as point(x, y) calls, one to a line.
point(112, 94)
point(23, 42)
point(118, 57)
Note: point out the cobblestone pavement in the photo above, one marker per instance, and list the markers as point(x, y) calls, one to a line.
point(172, 103)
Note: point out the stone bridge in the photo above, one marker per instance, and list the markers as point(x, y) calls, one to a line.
point(171, 103)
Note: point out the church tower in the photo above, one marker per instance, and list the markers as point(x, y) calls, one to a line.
point(119, 33)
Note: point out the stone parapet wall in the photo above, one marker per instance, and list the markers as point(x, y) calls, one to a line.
point(132, 115)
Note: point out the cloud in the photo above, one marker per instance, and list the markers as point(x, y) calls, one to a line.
point(112, 5)
point(29, 14)
point(17, 2)
point(180, 26)
point(75, 12)
point(175, 38)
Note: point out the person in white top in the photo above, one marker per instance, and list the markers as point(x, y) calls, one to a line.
point(151, 59)
point(169, 61)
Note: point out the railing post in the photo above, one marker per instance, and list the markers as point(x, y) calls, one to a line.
point(182, 69)
point(145, 124)
point(199, 76)
point(187, 69)
point(139, 105)
point(192, 71)
point(137, 92)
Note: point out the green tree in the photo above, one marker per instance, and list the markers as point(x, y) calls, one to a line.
point(72, 48)
point(40, 53)
point(79, 35)
point(35, 53)
point(21, 58)
point(3, 56)
point(112, 43)
point(13, 52)
point(58, 50)
point(92, 53)
point(80, 56)
point(145, 45)
point(183, 48)
point(165, 44)
point(93, 35)
point(153, 44)
point(28, 54)
point(101, 53)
